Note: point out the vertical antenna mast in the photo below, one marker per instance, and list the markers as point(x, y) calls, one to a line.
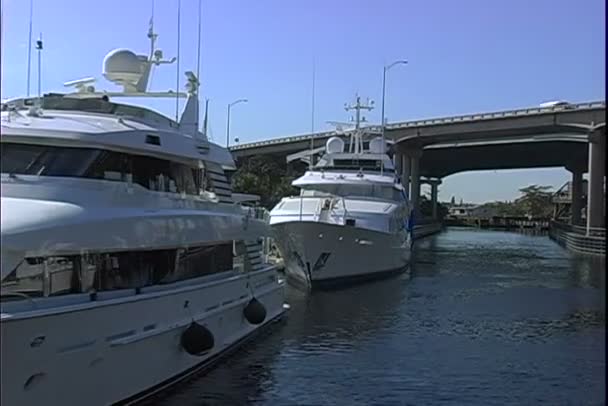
point(1, 38)
point(151, 34)
point(29, 48)
point(312, 131)
point(179, 6)
point(39, 49)
point(198, 72)
point(152, 37)
point(312, 118)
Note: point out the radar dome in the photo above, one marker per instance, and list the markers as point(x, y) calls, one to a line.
point(123, 67)
point(334, 145)
point(376, 146)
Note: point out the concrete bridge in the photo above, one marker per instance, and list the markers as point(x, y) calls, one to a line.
point(571, 136)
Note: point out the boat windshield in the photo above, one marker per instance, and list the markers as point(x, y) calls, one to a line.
point(355, 164)
point(27, 159)
point(101, 105)
point(149, 172)
point(363, 190)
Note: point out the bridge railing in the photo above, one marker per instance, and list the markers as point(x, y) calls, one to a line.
point(439, 121)
point(498, 114)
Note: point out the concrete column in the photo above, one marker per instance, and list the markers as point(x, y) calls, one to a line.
point(405, 173)
point(577, 194)
point(595, 193)
point(397, 163)
point(434, 199)
point(415, 185)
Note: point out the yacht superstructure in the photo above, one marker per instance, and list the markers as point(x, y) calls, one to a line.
point(350, 221)
point(126, 264)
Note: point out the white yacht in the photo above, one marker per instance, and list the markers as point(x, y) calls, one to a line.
point(126, 264)
point(350, 221)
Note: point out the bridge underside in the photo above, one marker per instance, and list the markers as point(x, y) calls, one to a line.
point(440, 161)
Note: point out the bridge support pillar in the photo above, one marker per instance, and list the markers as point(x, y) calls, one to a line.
point(405, 173)
point(434, 186)
point(415, 187)
point(595, 193)
point(397, 163)
point(577, 193)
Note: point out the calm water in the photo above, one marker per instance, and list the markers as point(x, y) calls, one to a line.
point(486, 317)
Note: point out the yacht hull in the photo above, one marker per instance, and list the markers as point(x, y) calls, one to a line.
point(322, 255)
point(122, 347)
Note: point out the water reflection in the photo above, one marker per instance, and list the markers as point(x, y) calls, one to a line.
point(486, 317)
point(338, 320)
point(240, 378)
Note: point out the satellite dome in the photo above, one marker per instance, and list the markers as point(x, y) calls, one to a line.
point(123, 67)
point(377, 145)
point(334, 145)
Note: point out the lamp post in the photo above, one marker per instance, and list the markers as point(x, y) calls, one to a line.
point(386, 68)
point(228, 122)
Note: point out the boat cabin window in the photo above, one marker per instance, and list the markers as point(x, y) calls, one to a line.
point(149, 172)
point(59, 275)
point(201, 261)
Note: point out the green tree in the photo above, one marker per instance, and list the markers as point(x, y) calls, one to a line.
point(535, 200)
point(426, 208)
point(266, 177)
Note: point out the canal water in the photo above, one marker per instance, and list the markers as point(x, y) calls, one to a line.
point(484, 318)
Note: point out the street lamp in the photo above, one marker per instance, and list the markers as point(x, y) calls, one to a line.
point(228, 122)
point(386, 68)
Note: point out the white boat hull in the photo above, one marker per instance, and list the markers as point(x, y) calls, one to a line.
point(324, 255)
point(121, 346)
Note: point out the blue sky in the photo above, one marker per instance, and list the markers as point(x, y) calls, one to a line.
point(464, 57)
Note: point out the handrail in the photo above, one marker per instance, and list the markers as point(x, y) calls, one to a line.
point(345, 214)
point(21, 295)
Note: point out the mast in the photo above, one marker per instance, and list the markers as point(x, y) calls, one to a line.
point(356, 142)
point(29, 48)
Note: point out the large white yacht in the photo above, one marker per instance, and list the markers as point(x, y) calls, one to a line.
point(350, 221)
point(126, 264)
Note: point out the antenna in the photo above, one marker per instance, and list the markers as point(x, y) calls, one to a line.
point(312, 118)
point(152, 36)
point(151, 33)
point(39, 49)
point(29, 48)
point(1, 41)
point(179, 7)
point(198, 72)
